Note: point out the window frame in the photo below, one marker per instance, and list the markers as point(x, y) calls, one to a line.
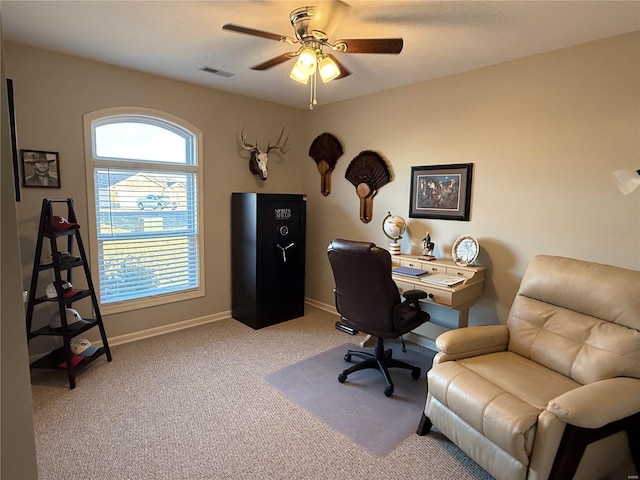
point(92, 161)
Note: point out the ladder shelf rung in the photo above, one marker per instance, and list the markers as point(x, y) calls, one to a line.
point(67, 301)
point(65, 266)
point(54, 358)
point(57, 332)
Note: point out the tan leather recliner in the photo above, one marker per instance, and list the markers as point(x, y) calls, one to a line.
point(525, 399)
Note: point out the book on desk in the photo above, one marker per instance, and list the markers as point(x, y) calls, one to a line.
point(409, 272)
point(442, 279)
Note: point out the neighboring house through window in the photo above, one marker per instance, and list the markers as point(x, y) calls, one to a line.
point(144, 174)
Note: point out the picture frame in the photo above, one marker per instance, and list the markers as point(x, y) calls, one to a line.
point(441, 192)
point(40, 169)
point(13, 138)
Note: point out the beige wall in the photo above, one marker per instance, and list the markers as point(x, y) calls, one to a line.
point(543, 134)
point(54, 91)
point(18, 458)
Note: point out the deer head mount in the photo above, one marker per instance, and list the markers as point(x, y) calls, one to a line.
point(258, 159)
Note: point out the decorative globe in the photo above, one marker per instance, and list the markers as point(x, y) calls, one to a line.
point(394, 226)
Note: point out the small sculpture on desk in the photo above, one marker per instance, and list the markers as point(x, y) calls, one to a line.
point(427, 248)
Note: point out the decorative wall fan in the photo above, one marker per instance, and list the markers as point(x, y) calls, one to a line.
point(313, 25)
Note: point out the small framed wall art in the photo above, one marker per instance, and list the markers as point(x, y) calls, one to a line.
point(441, 191)
point(40, 169)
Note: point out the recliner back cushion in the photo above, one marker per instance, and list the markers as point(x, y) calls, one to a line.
point(578, 318)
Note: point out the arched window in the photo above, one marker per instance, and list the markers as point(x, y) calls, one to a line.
point(144, 179)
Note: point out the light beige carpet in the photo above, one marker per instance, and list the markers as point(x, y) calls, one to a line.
point(194, 405)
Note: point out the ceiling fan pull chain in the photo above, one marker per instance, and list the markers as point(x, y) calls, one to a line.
point(313, 93)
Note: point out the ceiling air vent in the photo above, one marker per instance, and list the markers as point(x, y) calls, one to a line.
point(215, 71)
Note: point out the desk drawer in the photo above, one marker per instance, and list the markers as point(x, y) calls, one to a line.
point(436, 295)
point(429, 267)
point(460, 272)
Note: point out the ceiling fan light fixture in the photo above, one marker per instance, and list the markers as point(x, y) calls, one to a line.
point(307, 61)
point(328, 69)
point(313, 26)
point(298, 75)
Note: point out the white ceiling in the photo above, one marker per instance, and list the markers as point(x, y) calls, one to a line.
point(175, 38)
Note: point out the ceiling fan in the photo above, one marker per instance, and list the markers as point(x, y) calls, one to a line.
point(313, 25)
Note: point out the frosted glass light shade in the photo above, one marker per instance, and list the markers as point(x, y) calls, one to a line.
point(328, 69)
point(626, 180)
point(307, 61)
point(298, 75)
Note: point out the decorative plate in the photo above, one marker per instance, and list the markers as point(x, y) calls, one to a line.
point(465, 250)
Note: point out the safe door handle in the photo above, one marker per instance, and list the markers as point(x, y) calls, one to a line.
point(284, 250)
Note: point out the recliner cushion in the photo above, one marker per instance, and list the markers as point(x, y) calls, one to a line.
point(500, 395)
point(584, 348)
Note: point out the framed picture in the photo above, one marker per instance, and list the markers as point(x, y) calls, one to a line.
point(441, 191)
point(14, 139)
point(40, 169)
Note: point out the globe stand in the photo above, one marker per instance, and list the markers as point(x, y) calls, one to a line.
point(394, 248)
point(393, 227)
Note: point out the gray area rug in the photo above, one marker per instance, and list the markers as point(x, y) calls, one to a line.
point(358, 408)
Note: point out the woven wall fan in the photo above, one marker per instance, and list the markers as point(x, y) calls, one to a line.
point(325, 151)
point(368, 172)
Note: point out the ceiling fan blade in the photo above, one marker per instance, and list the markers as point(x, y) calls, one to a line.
point(370, 45)
point(344, 71)
point(274, 61)
point(255, 33)
point(327, 16)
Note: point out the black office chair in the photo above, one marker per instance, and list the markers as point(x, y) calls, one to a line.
point(368, 300)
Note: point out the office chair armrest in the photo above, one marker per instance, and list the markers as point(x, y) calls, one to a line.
point(599, 403)
point(412, 296)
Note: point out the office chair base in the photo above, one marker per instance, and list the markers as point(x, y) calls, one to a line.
point(380, 360)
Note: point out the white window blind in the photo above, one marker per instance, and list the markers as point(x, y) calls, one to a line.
point(145, 192)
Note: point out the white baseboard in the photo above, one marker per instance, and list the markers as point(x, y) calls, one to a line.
point(322, 306)
point(174, 327)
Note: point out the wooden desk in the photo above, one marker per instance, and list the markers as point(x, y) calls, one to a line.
point(459, 298)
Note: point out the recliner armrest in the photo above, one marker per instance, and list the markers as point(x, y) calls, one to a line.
point(599, 403)
point(471, 341)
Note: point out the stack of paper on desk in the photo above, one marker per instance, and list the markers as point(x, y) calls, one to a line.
point(443, 279)
point(409, 271)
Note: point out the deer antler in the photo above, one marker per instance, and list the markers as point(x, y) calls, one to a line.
point(245, 145)
point(282, 148)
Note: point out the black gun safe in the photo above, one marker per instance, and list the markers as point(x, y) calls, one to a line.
point(267, 257)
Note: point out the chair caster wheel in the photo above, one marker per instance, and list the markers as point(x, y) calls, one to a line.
point(347, 357)
point(342, 377)
point(415, 374)
point(388, 391)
